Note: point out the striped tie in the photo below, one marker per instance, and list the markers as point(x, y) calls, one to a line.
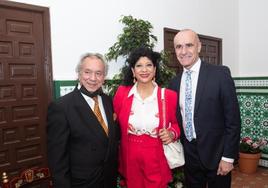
point(97, 112)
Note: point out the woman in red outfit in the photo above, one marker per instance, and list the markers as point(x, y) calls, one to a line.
point(137, 104)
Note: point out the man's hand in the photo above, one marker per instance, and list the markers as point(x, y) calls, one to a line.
point(224, 168)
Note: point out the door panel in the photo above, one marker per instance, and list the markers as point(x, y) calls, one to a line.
point(25, 85)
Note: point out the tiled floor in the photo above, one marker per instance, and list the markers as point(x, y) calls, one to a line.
point(256, 180)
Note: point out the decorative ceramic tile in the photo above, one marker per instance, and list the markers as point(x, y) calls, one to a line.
point(254, 115)
point(262, 82)
point(264, 160)
point(252, 95)
point(252, 90)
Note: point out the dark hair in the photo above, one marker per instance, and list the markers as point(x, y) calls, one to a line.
point(134, 56)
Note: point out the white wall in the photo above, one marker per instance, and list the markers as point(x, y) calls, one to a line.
point(81, 26)
point(253, 38)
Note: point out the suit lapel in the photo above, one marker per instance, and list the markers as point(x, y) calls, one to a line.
point(202, 78)
point(88, 116)
point(110, 123)
point(177, 83)
point(178, 113)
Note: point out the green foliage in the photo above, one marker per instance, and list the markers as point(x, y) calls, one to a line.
point(166, 73)
point(248, 145)
point(178, 178)
point(136, 33)
point(245, 148)
point(110, 86)
point(265, 150)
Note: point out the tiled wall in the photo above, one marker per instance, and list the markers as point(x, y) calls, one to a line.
point(253, 100)
point(252, 95)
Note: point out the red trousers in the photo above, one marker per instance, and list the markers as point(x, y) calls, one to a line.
point(143, 163)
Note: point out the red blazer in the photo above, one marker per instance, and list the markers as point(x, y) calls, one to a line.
point(122, 106)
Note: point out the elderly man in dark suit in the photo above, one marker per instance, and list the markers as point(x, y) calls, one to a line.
point(208, 112)
point(81, 133)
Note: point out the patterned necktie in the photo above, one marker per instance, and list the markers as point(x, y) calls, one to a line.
point(188, 106)
point(97, 112)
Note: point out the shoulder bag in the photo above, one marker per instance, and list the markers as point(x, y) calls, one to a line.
point(174, 150)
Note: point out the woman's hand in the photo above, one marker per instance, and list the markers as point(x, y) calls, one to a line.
point(166, 136)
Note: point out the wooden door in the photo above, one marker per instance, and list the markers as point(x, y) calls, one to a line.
point(211, 50)
point(25, 85)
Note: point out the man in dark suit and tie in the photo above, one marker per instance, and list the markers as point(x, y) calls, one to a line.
point(208, 112)
point(82, 136)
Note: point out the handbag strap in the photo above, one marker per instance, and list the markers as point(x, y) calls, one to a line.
point(163, 106)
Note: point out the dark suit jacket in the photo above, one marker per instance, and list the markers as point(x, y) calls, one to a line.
point(216, 114)
point(79, 152)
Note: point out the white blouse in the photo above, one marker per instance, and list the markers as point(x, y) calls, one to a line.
point(144, 114)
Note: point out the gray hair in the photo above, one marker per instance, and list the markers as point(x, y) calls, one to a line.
point(91, 55)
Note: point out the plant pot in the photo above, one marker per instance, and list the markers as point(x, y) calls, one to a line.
point(248, 162)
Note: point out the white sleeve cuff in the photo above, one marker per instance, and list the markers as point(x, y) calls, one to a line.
point(229, 160)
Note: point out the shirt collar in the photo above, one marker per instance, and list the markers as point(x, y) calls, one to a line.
point(195, 67)
point(134, 91)
point(78, 85)
point(87, 98)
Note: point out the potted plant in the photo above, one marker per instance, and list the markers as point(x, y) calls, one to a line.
point(249, 154)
